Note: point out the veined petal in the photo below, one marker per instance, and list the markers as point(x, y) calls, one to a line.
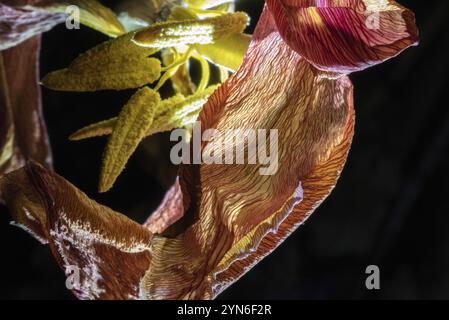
point(23, 134)
point(345, 35)
point(230, 216)
point(19, 23)
point(103, 253)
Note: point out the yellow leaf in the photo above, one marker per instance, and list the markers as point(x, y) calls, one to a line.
point(206, 4)
point(102, 128)
point(228, 52)
point(206, 31)
point(132, 124)
point(181, 81)
point(113, 65)
point(175, 112)
point(92, 14)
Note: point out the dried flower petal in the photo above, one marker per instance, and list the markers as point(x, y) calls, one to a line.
point(218, 220)
point(19, 23)
point(105, 251)
point(228, 211)
point(345, 35)
point(23, 134)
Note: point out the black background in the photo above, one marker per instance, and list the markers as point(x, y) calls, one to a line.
point(390, 207)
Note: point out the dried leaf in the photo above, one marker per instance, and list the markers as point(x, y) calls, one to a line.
point(116, 64)
point(131, 127)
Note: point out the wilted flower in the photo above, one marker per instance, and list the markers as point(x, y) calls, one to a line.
point(218, 220)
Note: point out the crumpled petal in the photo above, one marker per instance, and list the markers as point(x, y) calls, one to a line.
point(218, 220)
point(23, 134)
point(19, 22)
point(345, 35)
point(108, 252)
point(232, 215)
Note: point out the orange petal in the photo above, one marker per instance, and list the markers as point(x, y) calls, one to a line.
point(104, 253)
point(231, 215)
point(345, 35)
point(23, 134)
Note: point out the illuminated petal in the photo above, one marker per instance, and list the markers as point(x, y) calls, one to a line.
point(345, 35)
point(103, 253)
point(228, 213)
point(23, 134)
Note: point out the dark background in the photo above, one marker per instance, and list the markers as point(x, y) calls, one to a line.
point(390, 207)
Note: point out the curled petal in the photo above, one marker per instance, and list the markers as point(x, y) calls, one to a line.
point(23, 134)
point(19, 22)
point(230, 216)
point(345, 35)
point(103, 253)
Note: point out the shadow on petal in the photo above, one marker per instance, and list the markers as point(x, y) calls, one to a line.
point(23, 133)
point(233, 216)
point(104, 253)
